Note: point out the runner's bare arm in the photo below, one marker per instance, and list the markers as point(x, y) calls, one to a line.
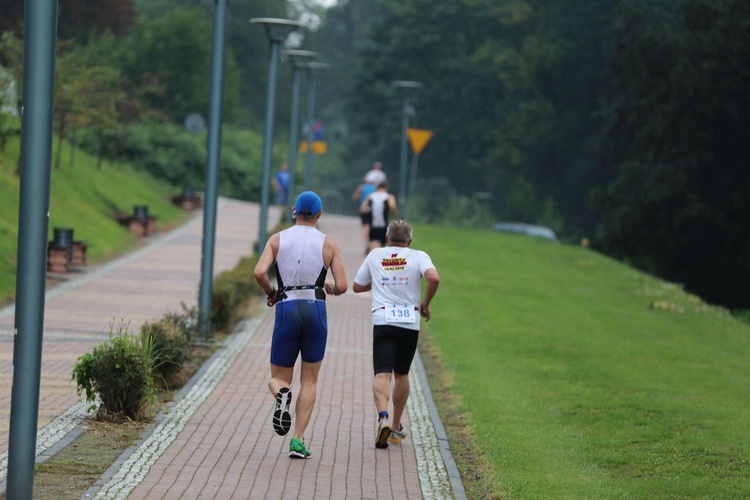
point(357, 193)
point(266, 260)
point(363, 208)
point(433, 281)
point(332, 255)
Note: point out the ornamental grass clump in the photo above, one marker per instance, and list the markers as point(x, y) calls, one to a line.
point(167, 346)
point(119, 373)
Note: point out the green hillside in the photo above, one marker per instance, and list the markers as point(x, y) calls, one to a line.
point(86, 199)
point(583, 378)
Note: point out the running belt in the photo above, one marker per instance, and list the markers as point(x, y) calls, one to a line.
point(320, 293)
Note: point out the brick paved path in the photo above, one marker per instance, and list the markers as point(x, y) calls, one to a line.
point(217, 440)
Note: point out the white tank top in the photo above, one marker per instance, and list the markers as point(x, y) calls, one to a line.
point(299, 262)
point(379, 206)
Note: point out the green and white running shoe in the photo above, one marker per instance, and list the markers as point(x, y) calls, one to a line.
point(398, 435)
point(297, 449)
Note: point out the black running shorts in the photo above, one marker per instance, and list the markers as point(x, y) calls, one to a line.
point(378, 234)
point(393, 348)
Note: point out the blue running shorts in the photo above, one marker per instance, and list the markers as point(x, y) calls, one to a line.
point(301, 327)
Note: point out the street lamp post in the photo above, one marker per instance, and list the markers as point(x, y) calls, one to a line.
point(406, 110)
point(296, 57)
point(311, 68)
point(213, 153)
point(277, 30)
point(40, 19)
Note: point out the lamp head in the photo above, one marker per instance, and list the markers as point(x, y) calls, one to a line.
point(276, 29)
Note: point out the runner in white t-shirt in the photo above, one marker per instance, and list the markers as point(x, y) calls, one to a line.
point(394, 274)
point(376, 175)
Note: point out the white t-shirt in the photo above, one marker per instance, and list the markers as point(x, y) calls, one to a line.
point(375, 177)
point(396, 277)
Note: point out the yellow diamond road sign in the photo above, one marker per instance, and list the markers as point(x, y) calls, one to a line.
point(418, 138)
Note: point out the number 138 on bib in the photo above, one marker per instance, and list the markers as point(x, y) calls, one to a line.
point(400, 314)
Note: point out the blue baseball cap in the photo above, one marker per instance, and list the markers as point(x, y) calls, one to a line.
point(308, 203)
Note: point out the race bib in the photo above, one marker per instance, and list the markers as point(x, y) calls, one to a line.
point(400, 314)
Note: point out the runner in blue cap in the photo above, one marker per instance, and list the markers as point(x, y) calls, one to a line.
point(302, 256)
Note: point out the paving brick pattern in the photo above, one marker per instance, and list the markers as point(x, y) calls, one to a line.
point(139, 287)
point(226, 447)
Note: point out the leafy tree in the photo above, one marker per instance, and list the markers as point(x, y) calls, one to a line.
point(11, 80)
point(511, 90)
point(11, 57)
point(12, 18)
point(247, 55)
point(102, 90)
point(81, 19)
point(249, 46)
point(176, 48)
point(682, 120)
point(77, 19)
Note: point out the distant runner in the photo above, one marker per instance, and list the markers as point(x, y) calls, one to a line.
point(381, 205)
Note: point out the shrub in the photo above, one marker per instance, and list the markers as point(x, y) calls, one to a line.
point(167, 345)
point(119, 372)
point(230, 289)
point(187, 322)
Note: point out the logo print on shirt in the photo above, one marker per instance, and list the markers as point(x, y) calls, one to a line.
point(395, 263)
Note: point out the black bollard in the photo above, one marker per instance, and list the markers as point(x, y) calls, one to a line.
point(63, 238)
point(140, 212)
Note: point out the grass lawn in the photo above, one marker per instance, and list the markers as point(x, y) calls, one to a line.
point(88, 200)
point(583, 378)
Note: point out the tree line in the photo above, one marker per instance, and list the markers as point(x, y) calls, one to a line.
point(129, 72)
point(622, 121)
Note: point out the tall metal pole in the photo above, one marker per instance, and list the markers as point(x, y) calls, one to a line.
point(296, 83)
point(311, 68)
point(406, 86)
point(215, 112)
point(40, 17)
point(404, 152)
point(296, 57)
point(412, 183)
point(277, 30)
point(310, 118)
point(268, 142)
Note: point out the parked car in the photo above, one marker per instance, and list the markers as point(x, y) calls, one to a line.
point(542, 232)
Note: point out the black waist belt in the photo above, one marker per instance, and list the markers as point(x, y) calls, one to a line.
point(281, 295)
